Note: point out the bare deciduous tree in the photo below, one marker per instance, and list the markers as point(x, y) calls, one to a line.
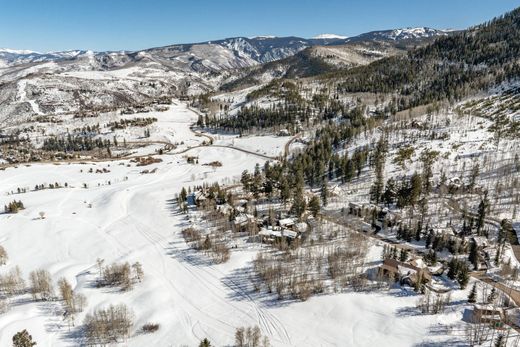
point(109, 325)
point(3, 256)
point(41, 284)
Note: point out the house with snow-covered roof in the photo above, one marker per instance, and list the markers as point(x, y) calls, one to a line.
point(405, 273)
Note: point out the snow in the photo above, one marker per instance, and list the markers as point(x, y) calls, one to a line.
point(124, 215)
point(268, 145)
point(263, 37)
point(17, 51)
point(329, 36)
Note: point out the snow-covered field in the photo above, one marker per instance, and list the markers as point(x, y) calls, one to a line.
point(124, 215)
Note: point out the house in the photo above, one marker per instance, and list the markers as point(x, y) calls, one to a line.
point(488, 314)
point(287, 223)
point(242, 222)
point(195, 198)
point(271, 235)
point(301, 227)
point(405, 273)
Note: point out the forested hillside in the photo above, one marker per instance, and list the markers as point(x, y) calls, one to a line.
point(450, 68)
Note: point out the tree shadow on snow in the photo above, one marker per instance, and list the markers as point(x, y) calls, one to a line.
point(453, 342)
point(408, 311)
point(443, 330)
point(241, 284)
point(189, 255)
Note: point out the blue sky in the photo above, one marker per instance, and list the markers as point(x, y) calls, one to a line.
point(45, 25)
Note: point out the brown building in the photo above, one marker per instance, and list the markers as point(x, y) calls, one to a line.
point(405, 273)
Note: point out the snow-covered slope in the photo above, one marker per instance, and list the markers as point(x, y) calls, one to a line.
point(329, 36)
point(403, 34)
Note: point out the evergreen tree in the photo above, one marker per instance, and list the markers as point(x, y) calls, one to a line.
point(183, 195)
point(23, 339)
point(492, 296)
point(415, 188)
point(314, 205)
point(418, 232)
point(379, 161)
point(390, 192)
point(500, 341)
point(324, 192)
point(473, 255)
point(463, 277)
point(205, 343)
point(246, 180)
point(431, 257)
point(403, 256)
point(472, 297)
point(497, 255)
point(285, 192)
point(482, 208)
point(429, 239)
point(299, 204)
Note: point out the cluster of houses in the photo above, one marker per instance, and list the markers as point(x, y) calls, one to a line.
point(264, 227)
point(284, 229)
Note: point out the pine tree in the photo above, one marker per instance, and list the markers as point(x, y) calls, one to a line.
point(472, 297)
point(482, 208)
point(183, 195)
point(492, 296)
point(324, 192)
point(379, 161)
point(246, 180)
point(500, 342)
point(205, 343)
point(390, 192)
point(403, 256)
point(473, 255)
point(452, 269)
point(497, 255)
point(418, 232)
point(463, 277)
point(415, 189)
point(429, 239)
point(23, 339)
point(299, 204)
point(314, 205)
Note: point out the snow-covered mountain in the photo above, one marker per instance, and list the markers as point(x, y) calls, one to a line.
point(82, 80)
point(403, 34)
point(220, 54)
point(329, 36)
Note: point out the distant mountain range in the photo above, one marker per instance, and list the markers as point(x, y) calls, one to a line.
point(64, 82)
point(245, 51)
